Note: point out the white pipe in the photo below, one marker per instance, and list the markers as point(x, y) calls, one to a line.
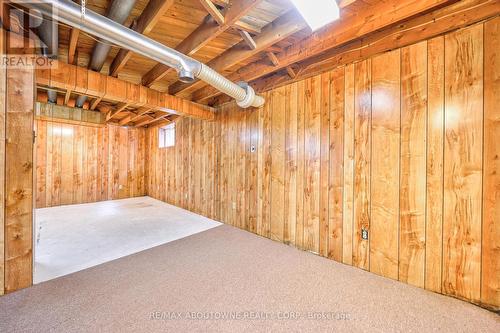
point(100, 26)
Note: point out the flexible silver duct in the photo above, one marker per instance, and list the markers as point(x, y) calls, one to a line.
point(118, 11)
point(187, 67)
point(51, 41)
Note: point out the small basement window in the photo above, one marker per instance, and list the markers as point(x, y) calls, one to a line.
point(166, 136)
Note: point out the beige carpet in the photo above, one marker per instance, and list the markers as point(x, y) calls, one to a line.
point(259, 285)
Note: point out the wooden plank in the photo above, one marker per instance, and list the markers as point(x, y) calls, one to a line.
point(312, 156)
point(490, 284)
point(78, 160)
point(278, 164)
point(348, 196)
point(56, 164)
point(336, 160)
point(3, 102)
point(362, 155)
point(413, 163)
point(66, 164)
point(291, 110)
point(41, 164)
point(213, 11)
point(324, 164)
point(463, 163)
point(385, 132)
point(73, 41)
point(248, 39)
point(49, 184)
point(435, 146)
point(19, 178)
point(264, 172)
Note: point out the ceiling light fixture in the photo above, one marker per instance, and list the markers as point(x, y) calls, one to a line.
point(317, 13)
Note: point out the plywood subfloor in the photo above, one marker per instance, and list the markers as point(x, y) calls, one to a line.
point(189, 284)
point(74, 237)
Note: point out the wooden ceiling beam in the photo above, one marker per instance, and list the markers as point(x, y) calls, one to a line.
point(147, 121)
point(200, 37)
point(247, 27)
point(248, 39)
point(273, 58)
point(150, 16)
point(213, 11)
point(113, 113)
point(272, 33)
point(62, 76)
point(73, 41)
point(346, 29)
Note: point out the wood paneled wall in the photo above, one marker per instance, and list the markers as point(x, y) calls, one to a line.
point(403, 145)
point(185, 175)
point(79, 164)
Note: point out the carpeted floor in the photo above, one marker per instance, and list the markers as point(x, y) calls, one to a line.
point(225, 279)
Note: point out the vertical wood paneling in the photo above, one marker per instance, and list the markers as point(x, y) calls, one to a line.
point(312, 154)
point(66, 164)
point(362, 155)
point(324, 164)
point(56, 164)
point(384, 226)
point(413, 163)
point(278, 164)
point(75, 162)
point(290, 222)
point(393, 145)
point(463, 163)
point(41, 166)
point(435, 144)
point(336, 167)
point(3, 98)
point(78, 158)
point(348, 196)
point(299, 229)
point(490, 284)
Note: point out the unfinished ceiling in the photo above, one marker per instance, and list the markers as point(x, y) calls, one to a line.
point(264, 42)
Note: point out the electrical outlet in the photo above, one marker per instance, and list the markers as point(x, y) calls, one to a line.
point(364, 234)
point(234, 205)
point(120, 187)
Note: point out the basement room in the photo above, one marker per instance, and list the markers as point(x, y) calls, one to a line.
point(250, 166)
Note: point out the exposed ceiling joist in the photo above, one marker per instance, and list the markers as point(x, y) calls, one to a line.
point(248, 39)
point(149, 120)
point(274, 32)
point(376, 17)
point(273, 58)
point(154, 10)
point(213, 11)
point(200, 37)
point(73, 41)
point(82, 81)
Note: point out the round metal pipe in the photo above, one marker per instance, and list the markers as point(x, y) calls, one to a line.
point(100, 26)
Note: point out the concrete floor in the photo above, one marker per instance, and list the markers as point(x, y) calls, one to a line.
point(72, 238)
